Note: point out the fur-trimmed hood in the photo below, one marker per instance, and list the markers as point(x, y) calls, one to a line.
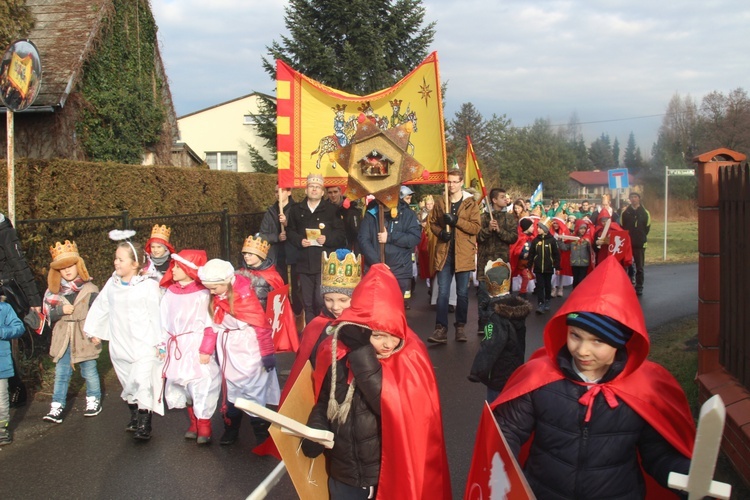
point(511, 307)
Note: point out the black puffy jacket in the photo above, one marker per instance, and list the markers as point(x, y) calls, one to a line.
point(503, 348)
point(355, 456)
point(14, 265)
point(404, 233)
point(570, 459)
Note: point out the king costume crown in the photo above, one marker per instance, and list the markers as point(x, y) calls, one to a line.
point(162, 232)
point(64, 250)
point(256, 245)
point(339, 273)
point(497, 275)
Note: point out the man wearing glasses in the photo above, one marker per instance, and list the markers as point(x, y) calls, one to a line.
point(456, 228)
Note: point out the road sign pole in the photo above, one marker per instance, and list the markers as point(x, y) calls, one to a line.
point(666, 204)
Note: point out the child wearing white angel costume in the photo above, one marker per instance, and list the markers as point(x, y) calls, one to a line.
point(126, 313)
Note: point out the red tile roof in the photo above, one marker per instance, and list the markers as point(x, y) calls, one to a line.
point(595, 178)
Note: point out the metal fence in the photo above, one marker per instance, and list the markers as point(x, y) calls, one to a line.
point(734, 219)
point(220, 234)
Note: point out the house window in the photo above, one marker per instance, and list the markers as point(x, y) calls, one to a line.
point(224, 160)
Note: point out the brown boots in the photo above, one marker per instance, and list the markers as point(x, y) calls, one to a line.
point(460, 333)
point(440, 335)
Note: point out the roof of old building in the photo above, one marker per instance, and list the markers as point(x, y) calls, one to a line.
point(63, 33)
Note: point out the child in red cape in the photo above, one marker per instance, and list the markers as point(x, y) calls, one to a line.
point(592, 424)
point(413, 462)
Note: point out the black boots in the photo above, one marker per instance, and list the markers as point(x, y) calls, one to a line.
point(260, 429)
point(232, 423)
point(143, 432)
point(133, 424)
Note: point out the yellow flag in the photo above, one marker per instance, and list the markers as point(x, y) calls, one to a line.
point(314, 121)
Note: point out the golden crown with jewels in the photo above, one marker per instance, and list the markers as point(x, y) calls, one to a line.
point(162, 232)
point(336, 273)
point(66, 250)
point(256, 245)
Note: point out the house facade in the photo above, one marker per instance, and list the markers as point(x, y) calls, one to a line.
point(593, 184)
point(220, 135)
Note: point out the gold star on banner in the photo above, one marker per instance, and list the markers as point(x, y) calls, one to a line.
point(377, 162)
point(425, 90)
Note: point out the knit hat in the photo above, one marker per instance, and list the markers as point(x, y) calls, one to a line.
point(189, 261)
point(340, 272)
point(404, 192)
point(216, 272)
point(610, 331)
point(160, 235)
point(64, 255)
point(525, 223)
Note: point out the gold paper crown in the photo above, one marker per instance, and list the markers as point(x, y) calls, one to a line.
point(162, 232)
point(64, 250)
point(494, 288)
point(257, 246)
point(546, 222)
point(337, 273)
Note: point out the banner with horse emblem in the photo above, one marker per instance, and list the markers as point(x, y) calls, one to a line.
point(281, 318)
point(313, 121)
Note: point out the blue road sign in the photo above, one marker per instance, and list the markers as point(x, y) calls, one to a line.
point(618, 178)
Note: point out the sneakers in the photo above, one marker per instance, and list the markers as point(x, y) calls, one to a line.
point(55, 414)
point(546, 306)
point(5, 437)
point(93, 406)
point(440, 335)
point(540, 308)
point(554, 291)
point(460, 333)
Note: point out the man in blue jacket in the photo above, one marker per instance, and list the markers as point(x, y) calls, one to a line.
point(402, 234)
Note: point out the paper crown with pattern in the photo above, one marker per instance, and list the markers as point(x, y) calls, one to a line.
point(497, 275)
point(545, 223)
point(340, 272)
point(64, 254)
point(161, 232)
point(256, 245)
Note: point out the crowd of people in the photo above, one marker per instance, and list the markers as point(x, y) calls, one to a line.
point(196, 334)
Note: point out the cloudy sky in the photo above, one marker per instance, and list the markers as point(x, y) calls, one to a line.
point(614, 63)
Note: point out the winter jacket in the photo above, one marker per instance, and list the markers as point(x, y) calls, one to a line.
point(493, 245)
point(638, 223)
point(351, 216)
point(544, 253)
point(67, 330)
point(13, 264)
point(464, 234)
point(503, 348)
point(580, 251)
point(325, 218)
point(281, 252)
point(404, 233)
point(355, 456)
point(10, 328)
point(595, 440)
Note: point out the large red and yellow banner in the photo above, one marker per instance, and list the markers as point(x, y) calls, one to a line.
point(313, 121)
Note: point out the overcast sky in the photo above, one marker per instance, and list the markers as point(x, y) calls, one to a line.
point(614, 63)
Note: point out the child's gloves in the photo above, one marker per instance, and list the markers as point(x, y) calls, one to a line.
point(446, 235)
point(354, 337)
point(269, 362)
point(311, 449)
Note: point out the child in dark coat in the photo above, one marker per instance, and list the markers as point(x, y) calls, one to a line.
point(503, 348)
point(545, 256)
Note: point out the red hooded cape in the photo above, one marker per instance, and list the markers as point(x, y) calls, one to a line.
point(565, 268)
point(246, 304)
point(413, 460)
point(648, 388)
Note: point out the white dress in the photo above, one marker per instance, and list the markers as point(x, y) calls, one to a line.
point(184, 316)
point(128, 317)
point(240, 360)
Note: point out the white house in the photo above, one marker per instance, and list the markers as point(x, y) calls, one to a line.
point(220, 135)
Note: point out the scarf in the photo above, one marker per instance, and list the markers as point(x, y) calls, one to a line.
point(52, 300)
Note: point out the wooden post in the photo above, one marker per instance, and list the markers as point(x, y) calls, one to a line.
point(11, 170)
point(381, 224)
point(281, 211)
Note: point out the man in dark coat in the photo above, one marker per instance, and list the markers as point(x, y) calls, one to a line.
point(637, 220)
point(13, 264)
point(349, 211)
point(401, 236)
point(313, 227)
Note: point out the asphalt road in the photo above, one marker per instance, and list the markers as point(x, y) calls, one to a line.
point(93, 458)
